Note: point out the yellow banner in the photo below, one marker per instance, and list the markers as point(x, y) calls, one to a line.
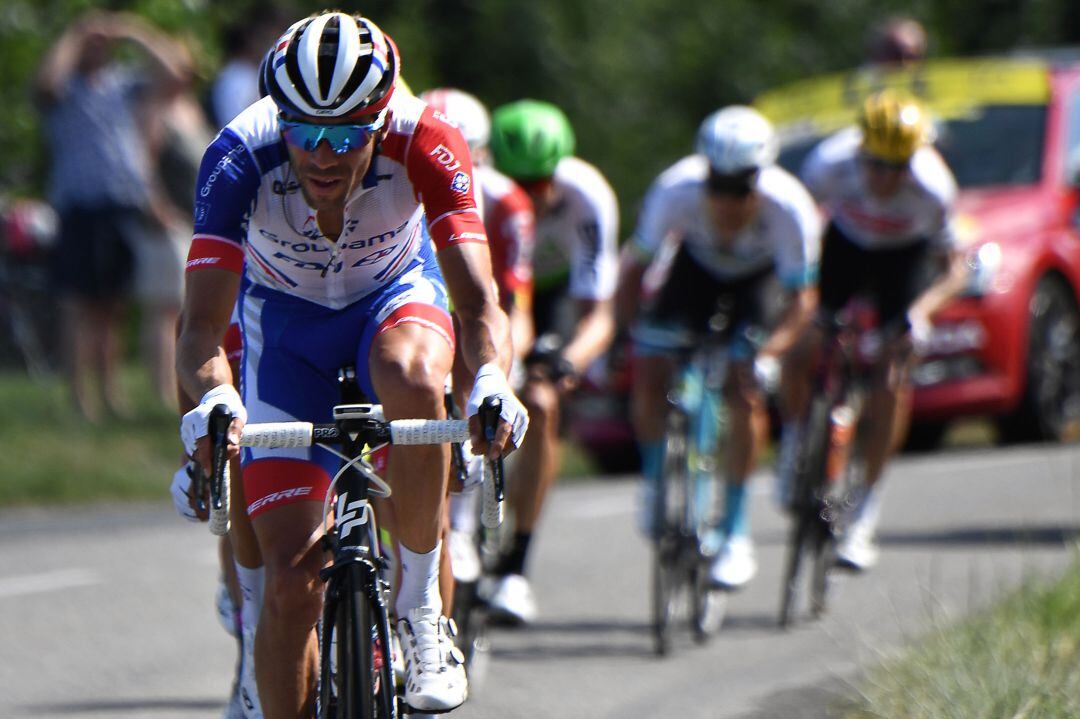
point(949, 88)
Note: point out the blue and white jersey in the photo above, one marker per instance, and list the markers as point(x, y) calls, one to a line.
point(785, 232)
point(251, 216)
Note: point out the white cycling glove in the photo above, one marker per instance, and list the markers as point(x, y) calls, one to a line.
point(491, 382)
point(767, 373)
point(194, 424)
point(181, 492)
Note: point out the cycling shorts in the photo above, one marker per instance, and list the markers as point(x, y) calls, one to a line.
point(677, 315)
point(293, 350)
point(891, 278)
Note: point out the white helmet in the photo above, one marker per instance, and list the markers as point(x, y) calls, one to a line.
point(465, 111)
point(737, 139)
point(332, 65)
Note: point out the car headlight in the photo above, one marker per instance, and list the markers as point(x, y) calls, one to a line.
point(984, 266)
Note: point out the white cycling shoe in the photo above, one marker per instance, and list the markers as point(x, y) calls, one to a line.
point(247, 690)
point(228, 614)
point(434, 668)
point(513, 600)
point(734, 565)
point(464, 559)
point(857, 549)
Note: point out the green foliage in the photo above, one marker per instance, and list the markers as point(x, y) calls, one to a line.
point(635, 76)
point(1018, 659)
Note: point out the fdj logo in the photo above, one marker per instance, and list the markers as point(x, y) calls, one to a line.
point(374, 256)
point(445, 158)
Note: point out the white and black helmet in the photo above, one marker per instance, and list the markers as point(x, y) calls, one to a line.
point(332, 65)
point(464, 110)
point(737, 139)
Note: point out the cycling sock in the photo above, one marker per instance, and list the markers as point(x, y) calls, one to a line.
point(251, 583)
point(652, 459)
point(513, 562)
point(419, 581)
point(868, 507)
point(463, 511)
point(736, 516)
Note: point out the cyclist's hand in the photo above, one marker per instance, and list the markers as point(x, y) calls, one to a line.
point(922, 330)
point(514, 419)
point(767, 373)
point(187, 505)
point(193, 427)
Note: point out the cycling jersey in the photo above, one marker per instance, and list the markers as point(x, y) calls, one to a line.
point(251, 216)
point(576, 238)
point(920, 210)
point(785, 232)
point(510, 224)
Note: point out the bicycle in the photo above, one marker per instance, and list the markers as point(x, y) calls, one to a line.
point(829, 465)
point(356, 677)
point(686, 539)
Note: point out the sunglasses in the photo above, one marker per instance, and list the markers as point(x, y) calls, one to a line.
point(341, 138)
point(740, 185)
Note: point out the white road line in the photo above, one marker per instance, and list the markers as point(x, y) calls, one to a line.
point(47, 582)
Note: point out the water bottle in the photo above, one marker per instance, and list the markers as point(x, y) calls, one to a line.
point(841, 433)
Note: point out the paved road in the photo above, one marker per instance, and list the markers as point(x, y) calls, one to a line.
point(110, 614)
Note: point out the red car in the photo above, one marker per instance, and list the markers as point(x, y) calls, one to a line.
point(1009, 128)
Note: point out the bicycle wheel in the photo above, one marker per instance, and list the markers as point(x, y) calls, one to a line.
point(471, 618)
point(809, 476)
point(709, 605)
point(356, 677)
point(670, 505)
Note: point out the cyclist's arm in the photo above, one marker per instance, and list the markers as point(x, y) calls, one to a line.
point(485, 329)
point(950, 283)
point(201, 363)
point(797, 316)
point(593, 332)
point(59, 63)
point(628, 292)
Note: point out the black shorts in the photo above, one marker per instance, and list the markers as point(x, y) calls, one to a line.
point(891, 278)
point(93, 258)
point(681, 310)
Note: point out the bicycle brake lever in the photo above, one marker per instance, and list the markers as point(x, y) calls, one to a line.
point(489, 412)
point(218, 426)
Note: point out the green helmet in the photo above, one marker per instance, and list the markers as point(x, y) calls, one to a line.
point(528, 138)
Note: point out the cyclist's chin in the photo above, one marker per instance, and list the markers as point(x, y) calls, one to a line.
point(324, 194)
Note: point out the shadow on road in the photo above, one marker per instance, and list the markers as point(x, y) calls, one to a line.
point(134, 707)
point(577, 639)
point(1045, 535)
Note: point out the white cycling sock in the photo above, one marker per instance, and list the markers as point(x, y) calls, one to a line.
point(463, 510)
point(251, 583)
point(868, 508)
point(419, 581)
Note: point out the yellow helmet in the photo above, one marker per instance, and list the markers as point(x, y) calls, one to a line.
point(894, 126)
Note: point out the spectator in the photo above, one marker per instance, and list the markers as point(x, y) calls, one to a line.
point(237, 83)
point(898, 42)
point(176, 132)
point(98, 185)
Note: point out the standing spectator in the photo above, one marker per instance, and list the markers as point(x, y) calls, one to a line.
point(237, 83)
point(177, 133)
point(98, 183)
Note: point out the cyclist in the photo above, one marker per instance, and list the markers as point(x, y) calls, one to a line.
point(889, 196)
point(309, 208)
point(508, 220)
point(724, 222)
point(574, 264)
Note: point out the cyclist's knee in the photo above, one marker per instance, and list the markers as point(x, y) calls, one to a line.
point(417, 383)
point(293, 595)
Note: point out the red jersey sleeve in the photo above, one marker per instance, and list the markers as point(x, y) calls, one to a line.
point(441, 173)
point(511, 234)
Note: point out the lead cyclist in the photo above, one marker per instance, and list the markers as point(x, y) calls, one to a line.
point(310, 209)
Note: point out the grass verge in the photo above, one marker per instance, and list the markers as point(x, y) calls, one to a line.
point(1018, 659)
point(49, 455)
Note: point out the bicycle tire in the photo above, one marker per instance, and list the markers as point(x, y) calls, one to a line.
point(356, 676)
point(471, 618)
point(809, 476)
point(709, 605)
point(670, 501)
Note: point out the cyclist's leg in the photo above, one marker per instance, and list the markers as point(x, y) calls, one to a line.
point(654, 368)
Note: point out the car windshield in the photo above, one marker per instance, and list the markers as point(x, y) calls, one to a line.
point(986, 146)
